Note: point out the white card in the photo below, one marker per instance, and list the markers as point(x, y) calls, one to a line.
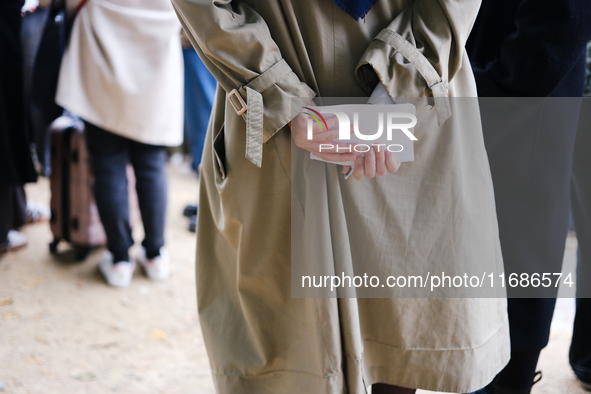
point(387, 126)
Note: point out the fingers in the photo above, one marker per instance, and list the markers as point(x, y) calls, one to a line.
point(381, 168)
point(332, 133)
point(374, 163)
point(370, 164)
point(332, 121)
point(391, 163)
point(328, 148)
point(377, 161)
point(329, 135)
point(337, 157)
point(359, 170)
point(319, 133)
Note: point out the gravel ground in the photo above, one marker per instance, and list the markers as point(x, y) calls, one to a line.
point(62, 330)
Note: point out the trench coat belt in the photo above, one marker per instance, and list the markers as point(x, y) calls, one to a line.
point(253, 110)
point(425, 68)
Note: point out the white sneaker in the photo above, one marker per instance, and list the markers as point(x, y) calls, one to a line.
point(117, 275)
point(14, 240)
point(157, 268)
point(37, 212)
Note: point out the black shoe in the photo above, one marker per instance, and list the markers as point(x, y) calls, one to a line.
point(583, 376)
point(584, 385)
point(489, 389)
point(495, 388)
point(190, 210)
point(193, 223)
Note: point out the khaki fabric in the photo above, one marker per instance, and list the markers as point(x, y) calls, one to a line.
point(123, 70)
point(440, 212)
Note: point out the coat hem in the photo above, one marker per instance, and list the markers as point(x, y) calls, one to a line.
point(474, 368)
point(449, 370)
point(285, 382)
point(79, 112)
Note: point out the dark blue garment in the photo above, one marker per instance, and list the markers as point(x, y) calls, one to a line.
point(531, 48)
point(580, 350)
point(357, 9)
point(199, 92)
point(579, 355)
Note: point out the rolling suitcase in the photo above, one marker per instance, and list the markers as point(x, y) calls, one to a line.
point(74, 214)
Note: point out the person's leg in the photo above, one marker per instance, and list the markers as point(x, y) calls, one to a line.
point(109, 155)
point(6, 195)
point(149, 164)
point(19, 217)
point(530, 167)
point(529, 325)
point(580, 350)
point(10, 239)
point(380, 388)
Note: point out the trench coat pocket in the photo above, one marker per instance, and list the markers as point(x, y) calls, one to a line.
point(219, 158)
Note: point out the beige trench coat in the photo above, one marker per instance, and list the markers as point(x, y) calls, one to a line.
point(259, 339)
point(123, 70)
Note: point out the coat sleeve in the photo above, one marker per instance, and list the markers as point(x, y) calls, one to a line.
point(420, 51)
point(235, 44)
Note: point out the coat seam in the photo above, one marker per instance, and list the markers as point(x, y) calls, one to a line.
point(330, 375)
point(323, 335)
point(460, 349)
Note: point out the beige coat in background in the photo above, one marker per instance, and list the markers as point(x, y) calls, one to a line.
point(123, 70)
point(435, 213)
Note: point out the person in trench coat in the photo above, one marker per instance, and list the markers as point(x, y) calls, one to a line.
point(268, 56)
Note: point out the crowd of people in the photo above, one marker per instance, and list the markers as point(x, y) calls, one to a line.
point(141, 74)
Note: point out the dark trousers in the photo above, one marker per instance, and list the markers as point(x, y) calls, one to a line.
point(13, 209)
point(110, 154)
point(580, 351)
point(530, 147)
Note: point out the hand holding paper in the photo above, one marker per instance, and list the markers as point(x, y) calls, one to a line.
point(322, 133)
point(374, 138)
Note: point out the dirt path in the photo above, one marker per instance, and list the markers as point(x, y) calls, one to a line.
point(62, 330)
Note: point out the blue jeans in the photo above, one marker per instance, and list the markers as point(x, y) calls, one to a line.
point(109, 155)
point(200, 88)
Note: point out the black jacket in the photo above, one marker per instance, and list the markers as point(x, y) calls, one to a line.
point(530, 48)
point(16, 166)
